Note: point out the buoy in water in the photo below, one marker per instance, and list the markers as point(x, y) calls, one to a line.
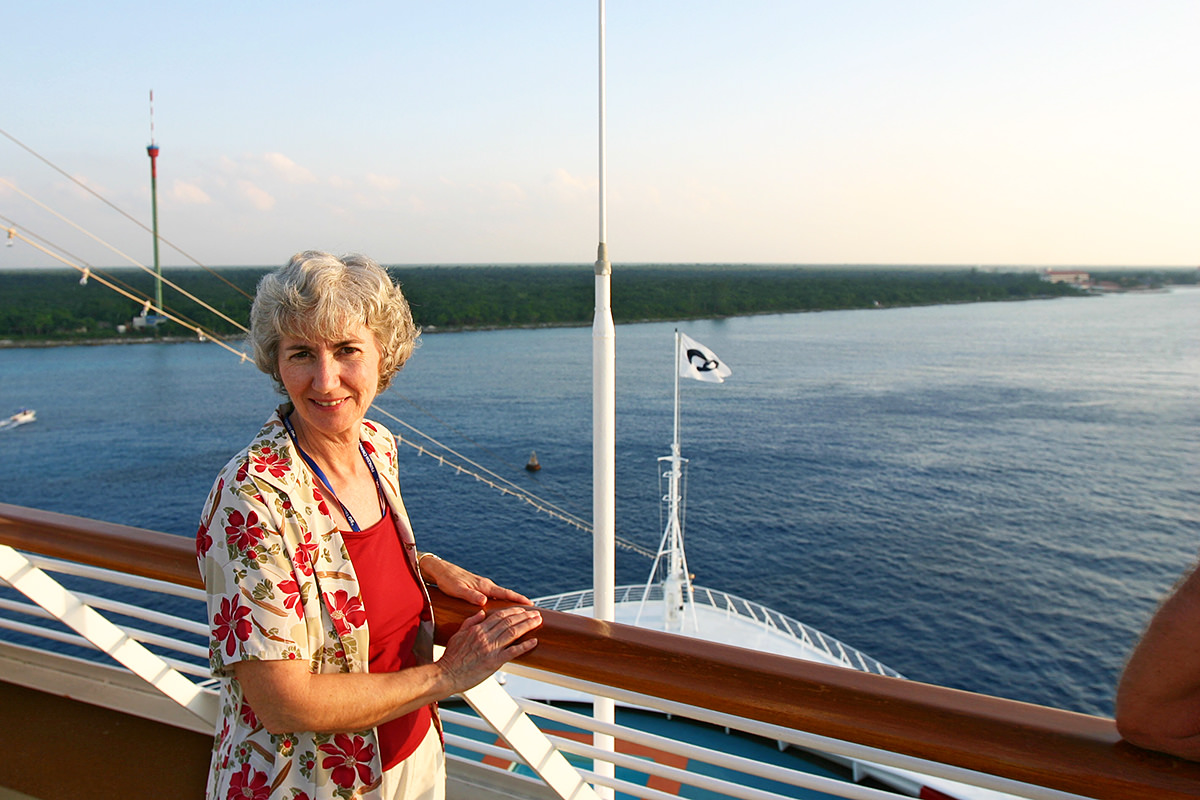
point(533, 465)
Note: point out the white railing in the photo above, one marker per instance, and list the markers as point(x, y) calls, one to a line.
point(782, 762)
point(733, 606)
point(123, 645)
point(662, 744)
point(647, 759)
point(783, 759)
point(134, 649)
point(190, 654)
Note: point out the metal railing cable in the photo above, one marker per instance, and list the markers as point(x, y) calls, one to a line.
point(118, 209)
point(123, 255)
point(476, 470)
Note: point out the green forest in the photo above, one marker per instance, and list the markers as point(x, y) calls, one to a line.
point(53, 305)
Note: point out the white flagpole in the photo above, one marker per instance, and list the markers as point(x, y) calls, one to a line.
point(677, 580)
point(676, 469)
point(678, 361)
point(603, 438)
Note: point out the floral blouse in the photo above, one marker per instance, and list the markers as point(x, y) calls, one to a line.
point(281, 586)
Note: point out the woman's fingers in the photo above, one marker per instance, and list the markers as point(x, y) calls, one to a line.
point(473, 620)
point(500, 593)
point(485, 642)
point(510, 624)
point(465, 585)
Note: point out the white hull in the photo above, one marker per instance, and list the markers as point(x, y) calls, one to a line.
point(22, 417)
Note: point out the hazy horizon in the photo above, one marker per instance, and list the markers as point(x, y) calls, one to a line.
point(1051, 133)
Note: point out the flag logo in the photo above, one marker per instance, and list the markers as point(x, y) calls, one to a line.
point(697, 361)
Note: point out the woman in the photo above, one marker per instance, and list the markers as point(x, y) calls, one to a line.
point(321, 625)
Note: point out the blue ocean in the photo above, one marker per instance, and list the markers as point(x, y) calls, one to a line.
point(988, 496)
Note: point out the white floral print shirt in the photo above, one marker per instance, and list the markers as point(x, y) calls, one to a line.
point(281, 586)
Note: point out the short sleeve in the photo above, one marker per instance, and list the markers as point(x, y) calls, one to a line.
point(254, 594)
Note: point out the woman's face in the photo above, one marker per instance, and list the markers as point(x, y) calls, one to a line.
point(331, 384)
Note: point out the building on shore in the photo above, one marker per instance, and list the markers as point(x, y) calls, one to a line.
point(1073, 276)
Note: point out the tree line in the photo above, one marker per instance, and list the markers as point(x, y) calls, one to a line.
point(54, 305)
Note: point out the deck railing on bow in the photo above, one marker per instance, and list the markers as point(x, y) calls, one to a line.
point(873, 718)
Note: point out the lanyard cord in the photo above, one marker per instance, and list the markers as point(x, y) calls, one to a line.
point(321, 475)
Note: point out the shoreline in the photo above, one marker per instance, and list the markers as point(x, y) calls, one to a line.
point(431, 330)
point(450, 303)
point(9, 344)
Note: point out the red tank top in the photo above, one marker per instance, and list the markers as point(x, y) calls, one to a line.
point(393, 602)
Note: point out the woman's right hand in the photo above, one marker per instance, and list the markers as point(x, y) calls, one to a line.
point(485, 642)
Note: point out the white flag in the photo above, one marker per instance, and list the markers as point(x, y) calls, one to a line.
point(697, 361)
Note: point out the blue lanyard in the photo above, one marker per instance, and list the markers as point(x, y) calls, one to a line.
point(321, 475)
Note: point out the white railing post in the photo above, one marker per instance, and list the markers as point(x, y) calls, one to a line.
point(498, 709)
point(20, 573)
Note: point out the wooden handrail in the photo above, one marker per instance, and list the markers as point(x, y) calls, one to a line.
point(1062, 750)
point(136, 551)
point(1045, 746)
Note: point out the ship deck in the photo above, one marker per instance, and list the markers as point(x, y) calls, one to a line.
point(65, 750)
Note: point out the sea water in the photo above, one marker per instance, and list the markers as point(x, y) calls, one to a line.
point(991, 496)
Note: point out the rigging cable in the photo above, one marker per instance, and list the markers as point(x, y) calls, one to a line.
point(489, 478)
point(461, 434)
point(87, 272)
point(90, 269)
point(126, 256)
point(503, 485)
point(500, 483)
point(11, 231)
point(118, 209)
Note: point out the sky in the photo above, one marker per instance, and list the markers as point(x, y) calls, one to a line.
point(1047, 133)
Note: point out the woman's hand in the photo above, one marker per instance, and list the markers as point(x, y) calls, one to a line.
point(458, 582)
point(485, 642)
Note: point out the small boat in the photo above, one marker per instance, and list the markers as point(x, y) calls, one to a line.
point(21, 417)
point(532, 465)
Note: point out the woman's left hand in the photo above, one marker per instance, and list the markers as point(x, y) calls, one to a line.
point(458, 582)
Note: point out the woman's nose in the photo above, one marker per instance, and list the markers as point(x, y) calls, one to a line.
point(325, 374)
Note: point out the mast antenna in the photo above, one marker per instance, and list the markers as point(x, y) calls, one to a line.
point(603, 436)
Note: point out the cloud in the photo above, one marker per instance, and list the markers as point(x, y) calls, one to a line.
point(287, 169)
point(258, 197)
point(565, 187)
point(81, 184)
point(563, 178)
point(189, 193)
point(382, 182)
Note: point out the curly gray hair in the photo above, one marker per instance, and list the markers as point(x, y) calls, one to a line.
point(319, 295)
